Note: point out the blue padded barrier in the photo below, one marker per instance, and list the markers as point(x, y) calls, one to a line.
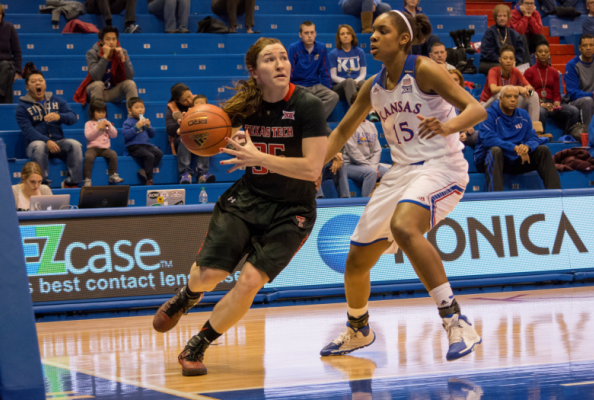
point(20, 361)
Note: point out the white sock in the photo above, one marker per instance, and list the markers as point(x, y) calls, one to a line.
point(357, 312)
point(442, 295)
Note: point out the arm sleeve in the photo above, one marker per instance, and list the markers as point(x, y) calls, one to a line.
point(519, 46)
point(334, 76)
point(151, 132)
point(572, 83)
point(292, 54)
point(129, 131)
point(556, 89)
point(27, 129)
point(325, 70)
point(67, 116)
point(535, 23)
point(362, 74)
point(96, 65)
point(519, 22)
point(15, 47)
point(531, 139)
point(311, 117)
point(490, 138)
point(492, 78)
point(128, 66)
point(91, 131)
point(171, 125)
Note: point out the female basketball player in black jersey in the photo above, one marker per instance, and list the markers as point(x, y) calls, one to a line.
point(269, 213)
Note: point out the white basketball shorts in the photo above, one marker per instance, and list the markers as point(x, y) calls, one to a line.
point(437, 185)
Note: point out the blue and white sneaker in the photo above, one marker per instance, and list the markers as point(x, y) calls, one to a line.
point(349, 340)
point(461, 335)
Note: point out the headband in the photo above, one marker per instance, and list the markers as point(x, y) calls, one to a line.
point(407, 23)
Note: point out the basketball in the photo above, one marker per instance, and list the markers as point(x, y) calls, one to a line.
point(204, 128)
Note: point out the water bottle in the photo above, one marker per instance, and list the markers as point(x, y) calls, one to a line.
point(141, 117)
point(203, 198)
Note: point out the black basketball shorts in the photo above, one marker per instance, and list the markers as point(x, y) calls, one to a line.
point(269, 232)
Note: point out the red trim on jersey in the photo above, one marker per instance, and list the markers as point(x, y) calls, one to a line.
point(290, 92)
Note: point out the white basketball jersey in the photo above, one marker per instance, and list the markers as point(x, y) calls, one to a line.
point(398, 110)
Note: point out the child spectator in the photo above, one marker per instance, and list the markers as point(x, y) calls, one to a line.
point(137, 131)
point(31, 177)
point(348, 67)
point(181, 101)
point(507, 74)
point(98, 131)
point(545, 80)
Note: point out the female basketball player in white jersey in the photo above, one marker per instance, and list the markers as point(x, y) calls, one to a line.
point(416, 100)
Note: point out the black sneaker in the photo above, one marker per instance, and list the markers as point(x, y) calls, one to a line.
point(172, 310)
point(192, 357)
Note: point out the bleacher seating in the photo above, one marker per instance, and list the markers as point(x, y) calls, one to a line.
point(209, 64)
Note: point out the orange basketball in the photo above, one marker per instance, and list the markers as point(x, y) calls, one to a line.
point(204, 128)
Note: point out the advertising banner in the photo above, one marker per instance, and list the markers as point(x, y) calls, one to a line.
point(142, 255)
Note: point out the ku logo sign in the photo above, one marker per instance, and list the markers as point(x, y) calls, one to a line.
point(41, 244)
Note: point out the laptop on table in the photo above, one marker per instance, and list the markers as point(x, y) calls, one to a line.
point(104, 196)
point(50, 202)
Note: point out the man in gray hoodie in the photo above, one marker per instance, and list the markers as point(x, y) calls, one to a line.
point(110, 69)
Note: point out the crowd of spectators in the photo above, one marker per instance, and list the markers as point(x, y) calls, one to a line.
point(505, 52)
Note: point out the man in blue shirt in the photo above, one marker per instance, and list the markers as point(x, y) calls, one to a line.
point(310, 67)
point(579, 79)
point(508, 144)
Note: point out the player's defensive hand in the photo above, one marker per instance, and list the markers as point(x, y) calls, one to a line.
point(430, 127)
point(247, 155)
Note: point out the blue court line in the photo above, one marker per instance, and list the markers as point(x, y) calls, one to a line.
point(517, 383)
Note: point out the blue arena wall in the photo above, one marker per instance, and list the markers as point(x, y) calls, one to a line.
point(135, 257)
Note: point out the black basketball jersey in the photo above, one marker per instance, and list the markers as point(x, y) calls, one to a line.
point(279, 130)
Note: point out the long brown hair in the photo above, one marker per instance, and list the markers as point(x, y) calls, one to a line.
point(419, 24)
point(29, 169)
point(248, 98)
point(354, 41)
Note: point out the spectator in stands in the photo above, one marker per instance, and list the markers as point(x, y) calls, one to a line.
point(423, 49)
point(507, 74)
point(110, 71)
point(334, 170)
point(180, 102)
point(496, 37)
point(232, 8)
point(108, 7)
point(548, 6)
point(545, 80)
point(31, 178)
point(137, 133)
point(362, 153)
point(99, 132)
point(10, 57)
point(368, 10)
point(467, 136)
point(508, 144)
point(40, 116)
point(526, 21)
point(175, 13)
point(439, 54)
point(588, 23)
point(310, 67)
point(579, 79)
point(348, 67)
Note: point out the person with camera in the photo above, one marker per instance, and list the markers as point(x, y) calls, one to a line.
point(507, 74)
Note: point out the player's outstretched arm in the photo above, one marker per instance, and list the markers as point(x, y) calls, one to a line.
point(433, 78)
point(307, 168)
point(351, 121)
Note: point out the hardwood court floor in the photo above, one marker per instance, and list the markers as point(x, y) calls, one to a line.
point(536, 344)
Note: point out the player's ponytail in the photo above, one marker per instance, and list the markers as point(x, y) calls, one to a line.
point(248, 99)
point(418, 27)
